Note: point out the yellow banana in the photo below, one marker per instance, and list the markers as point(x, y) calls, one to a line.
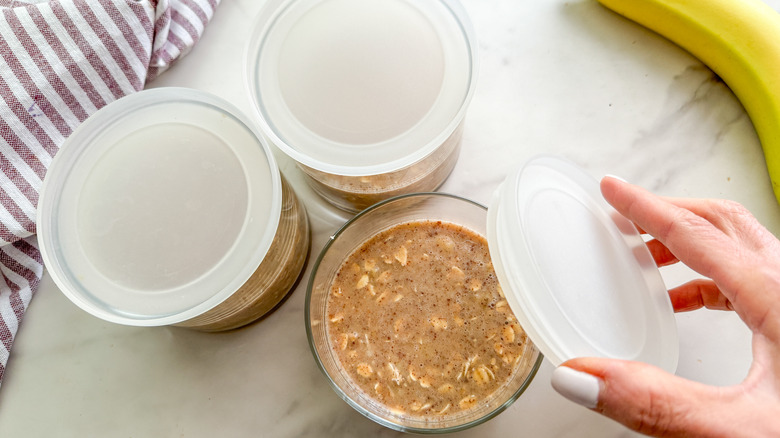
point(739, 40)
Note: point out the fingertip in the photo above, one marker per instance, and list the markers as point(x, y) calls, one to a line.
point(577, 386)
point(623, 196)
point(614, 177)
point(609, 186)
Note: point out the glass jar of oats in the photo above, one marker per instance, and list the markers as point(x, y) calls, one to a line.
point(430, 313)
point(166, 208)
point(367, 96)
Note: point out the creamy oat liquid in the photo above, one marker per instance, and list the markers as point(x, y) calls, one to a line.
point(418, 321)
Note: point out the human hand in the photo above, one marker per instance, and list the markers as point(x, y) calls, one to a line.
point(741, 259)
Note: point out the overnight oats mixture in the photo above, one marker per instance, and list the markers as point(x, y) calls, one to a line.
point(356, 193)
point(418, 320)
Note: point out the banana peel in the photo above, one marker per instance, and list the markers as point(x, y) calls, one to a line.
point(739, 40)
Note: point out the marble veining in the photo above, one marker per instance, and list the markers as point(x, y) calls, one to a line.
point(559, 77)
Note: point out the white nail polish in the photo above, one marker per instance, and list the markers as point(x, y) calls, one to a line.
point(581, 388)
point(615, 177)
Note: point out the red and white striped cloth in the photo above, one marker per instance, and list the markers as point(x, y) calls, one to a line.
point(60, 61)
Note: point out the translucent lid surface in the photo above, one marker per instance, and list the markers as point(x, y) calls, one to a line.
point(575, 272)
point(361, 87)
point(158, 207)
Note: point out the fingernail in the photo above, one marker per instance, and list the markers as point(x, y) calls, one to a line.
point(581, 388)
point(609, 175)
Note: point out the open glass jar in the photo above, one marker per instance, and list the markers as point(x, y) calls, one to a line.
point(367, 96)
point(326, 344)
point(576, 275)
point(166, 207)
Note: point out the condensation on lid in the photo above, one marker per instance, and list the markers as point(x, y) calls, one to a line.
point(577, 274)
point(158, 207)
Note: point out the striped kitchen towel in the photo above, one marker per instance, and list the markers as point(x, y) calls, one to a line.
point(60, 61)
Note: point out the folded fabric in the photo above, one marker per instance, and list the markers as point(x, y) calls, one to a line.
point(60, 61)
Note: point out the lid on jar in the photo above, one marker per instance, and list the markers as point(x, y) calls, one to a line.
point(361, 87)
point(158, 207)
point(576, 273)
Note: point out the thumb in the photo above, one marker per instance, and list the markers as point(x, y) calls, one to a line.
point(640, 396)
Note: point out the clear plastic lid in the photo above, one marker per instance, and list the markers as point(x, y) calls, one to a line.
point(361, 87)
point(158, 207)
point(576, 273)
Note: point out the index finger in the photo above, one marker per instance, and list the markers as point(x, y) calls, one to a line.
point(691, 238)
point(739, 255)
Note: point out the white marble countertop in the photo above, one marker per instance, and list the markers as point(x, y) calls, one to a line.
point(562, 77)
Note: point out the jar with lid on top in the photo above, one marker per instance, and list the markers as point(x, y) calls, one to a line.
point(166, 207)
point(367, 96)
